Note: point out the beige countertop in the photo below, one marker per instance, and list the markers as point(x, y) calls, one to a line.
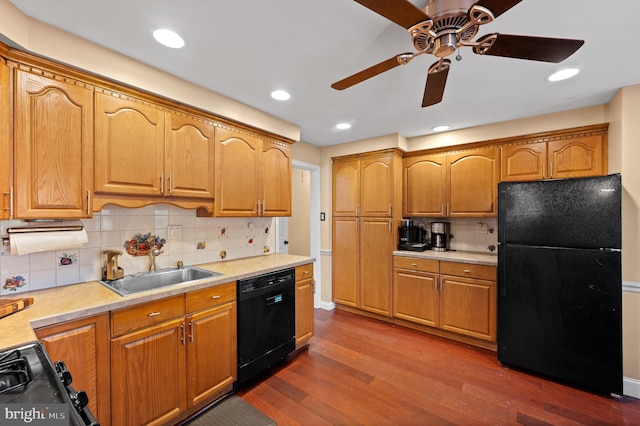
point(452, 256)
point(59, 304)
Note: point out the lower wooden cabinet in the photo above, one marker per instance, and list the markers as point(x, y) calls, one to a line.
point(305, 288)
point(452, 296)
point(83, 345)
point(162, 370)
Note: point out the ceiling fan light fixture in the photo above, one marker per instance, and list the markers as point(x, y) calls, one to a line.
point(563, 74)
point(280, 95)
point(168, 38)
point(343, 126)
point(440, 128)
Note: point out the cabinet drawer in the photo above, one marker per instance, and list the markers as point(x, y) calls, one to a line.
point(211, 296)
point(414, 264)
point(483, 272)
point(304, 271)
point(136, 317)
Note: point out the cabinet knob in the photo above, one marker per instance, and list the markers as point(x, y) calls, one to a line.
point(466, 271)
point(153, 314)
point(215, 297)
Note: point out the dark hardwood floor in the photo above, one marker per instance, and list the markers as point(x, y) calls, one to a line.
point(362, 371)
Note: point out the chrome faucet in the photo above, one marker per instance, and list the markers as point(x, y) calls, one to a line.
point(152, 258)
point(111, 270)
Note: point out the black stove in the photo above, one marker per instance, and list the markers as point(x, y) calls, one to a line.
point(32, 389)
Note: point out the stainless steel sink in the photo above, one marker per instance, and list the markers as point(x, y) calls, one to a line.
point(144, 281)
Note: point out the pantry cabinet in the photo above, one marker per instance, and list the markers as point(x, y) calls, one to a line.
point(305, 289)
point(252, 176)
point(53, 148)
point(455, 184)
point(83, 345)
point(367, 202)
point(567, 156)
point(455, 297)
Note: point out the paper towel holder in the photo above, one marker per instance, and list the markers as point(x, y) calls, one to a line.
point(43, 228)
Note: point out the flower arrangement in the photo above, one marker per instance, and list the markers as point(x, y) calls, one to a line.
point(141, 244)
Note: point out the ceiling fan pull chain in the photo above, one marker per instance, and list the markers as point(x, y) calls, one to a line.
point(458, 56)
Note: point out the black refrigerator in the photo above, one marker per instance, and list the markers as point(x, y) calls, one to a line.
point(560, 280)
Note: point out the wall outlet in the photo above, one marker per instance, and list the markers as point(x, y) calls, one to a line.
point(174, 233)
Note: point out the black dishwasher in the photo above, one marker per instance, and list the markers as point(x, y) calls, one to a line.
point(266, 322)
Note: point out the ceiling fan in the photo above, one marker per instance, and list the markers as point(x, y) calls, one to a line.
point(446, 25)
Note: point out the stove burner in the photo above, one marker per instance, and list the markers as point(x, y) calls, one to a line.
point(14, 372)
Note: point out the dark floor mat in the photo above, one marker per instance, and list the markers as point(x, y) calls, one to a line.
point(232, 411)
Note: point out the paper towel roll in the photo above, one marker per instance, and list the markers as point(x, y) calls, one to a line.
point(36, 242)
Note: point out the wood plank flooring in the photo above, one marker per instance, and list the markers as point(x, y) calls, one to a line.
point(360, 371)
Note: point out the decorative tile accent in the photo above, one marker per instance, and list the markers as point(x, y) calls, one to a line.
point(14, 283)
point(67, 259)
point(223, 254)
point(266, 249)
point(201, 245)
point(141, 244)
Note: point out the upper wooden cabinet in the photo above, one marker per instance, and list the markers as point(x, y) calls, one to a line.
point(5, 141)
point(252, 175)
point(142, 149)
point(425, 184)
point(456, 184)
point(472, 183)
point(53, 148)
point(189, 161)
point(367, 185)
point(565, 156)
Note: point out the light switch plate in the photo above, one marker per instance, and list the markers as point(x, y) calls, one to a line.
point(174, 232)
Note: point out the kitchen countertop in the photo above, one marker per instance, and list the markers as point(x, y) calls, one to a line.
point(473, 257)
point(59, 304)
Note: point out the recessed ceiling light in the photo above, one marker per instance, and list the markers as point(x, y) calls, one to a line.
point(168, 38)
point(280, 95)
point(343, 126)
point(440, 128)
point(563, 74)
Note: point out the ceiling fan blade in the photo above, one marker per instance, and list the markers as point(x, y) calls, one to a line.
point(401, 12)
point(525, 47)
point(498, 7)
point(363, 75)
point(436, 81)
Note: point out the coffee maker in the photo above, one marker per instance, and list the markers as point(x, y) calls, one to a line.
point(412, 237)
point(440, 236)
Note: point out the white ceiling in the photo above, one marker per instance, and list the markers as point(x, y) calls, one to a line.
point(245, 49)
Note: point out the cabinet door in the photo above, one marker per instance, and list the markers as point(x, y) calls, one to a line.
point(524, 162)
point(346, 188)
point(304, 311)
point(148, 383)
point(6, 161)
point(468, 306)
point(275, 179)
point(236, 173)
point(376, 187)
point(211, 353)
point(424, 186)
point(473, 183)
point(189, 157)
point(53, 164)
point(583, 156)
point(376, 260)
point(129, 147)
point(344, 270)
point(416, 297)
point(83, 345)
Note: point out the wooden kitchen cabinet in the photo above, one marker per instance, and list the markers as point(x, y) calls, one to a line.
point(148, 377)
point(575, 155)
point(252, 176)
point(305, 289)
point(346, 187)
point(6, 158)
point(456, 297)
point(455, 184)
point(376, 259)
point(425, 185)
point(472, 183)
point(345, 265)
point(186, 343)
point(53, 148)
point(83, 345)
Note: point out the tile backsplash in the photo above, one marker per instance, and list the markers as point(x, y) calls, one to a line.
point(188, 238)
point(469, 234)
